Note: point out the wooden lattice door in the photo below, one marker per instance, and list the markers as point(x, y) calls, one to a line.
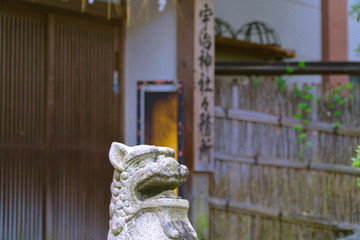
point(59, 115)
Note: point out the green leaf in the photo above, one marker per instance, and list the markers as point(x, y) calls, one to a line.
point(302, 105)
point(337, 113)
point(255, 83)
point(280, 80)
point(298, 128)
point(356, 162)
point(350, 96)
point(301, 64)
point(327, 96)
point(337, 98)
point(308, 110)
point(341, 102)
point(298, 116)
point(331, 105)
point(302, 135)
point(341, 87)
point(335, 92)
point(336, 124)
point(308, 88)
point(297, 92)
point(281, 85)
point(301, 155)
point(350, 85)
point(308, 144)
point(290, 70)
point(306, 121)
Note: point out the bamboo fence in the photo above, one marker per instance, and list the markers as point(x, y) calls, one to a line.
point(261, 187)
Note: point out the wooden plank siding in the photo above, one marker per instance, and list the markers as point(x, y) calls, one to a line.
point(58, 118)
point(261, 188)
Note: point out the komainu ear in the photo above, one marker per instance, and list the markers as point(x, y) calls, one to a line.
point(116, 155)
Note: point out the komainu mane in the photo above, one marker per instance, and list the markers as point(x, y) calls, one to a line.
point(143, 204)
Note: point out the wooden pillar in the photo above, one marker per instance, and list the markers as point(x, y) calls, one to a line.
point(119, 78)
point(334, 37)
point(196, 68)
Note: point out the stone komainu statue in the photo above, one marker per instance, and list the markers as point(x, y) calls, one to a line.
point(143, 204)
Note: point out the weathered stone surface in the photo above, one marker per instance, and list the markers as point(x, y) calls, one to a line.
point(143, 205)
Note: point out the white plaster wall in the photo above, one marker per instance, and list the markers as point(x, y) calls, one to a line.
point(150, 55)
point(353, 36)
point(298, 23)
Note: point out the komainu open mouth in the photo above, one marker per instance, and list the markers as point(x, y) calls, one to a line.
point(158, 187)
point(160, 179)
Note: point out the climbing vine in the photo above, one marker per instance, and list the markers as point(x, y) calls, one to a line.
point(355, 13)
point(335, 99)
point(355, 10)
point(356, 162)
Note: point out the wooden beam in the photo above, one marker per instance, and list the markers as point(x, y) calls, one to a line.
point(98, 8)
point(280, 68)
point(249, 48)
point(37, 7)
point(286, 163)
point(264, 118)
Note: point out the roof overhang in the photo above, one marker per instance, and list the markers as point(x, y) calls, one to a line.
point(253, 49)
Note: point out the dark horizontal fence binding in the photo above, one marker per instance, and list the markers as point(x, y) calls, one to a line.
point(281, 68)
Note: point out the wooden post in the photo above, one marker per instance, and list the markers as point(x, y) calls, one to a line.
point(119, 81)
point(195, 66)
point(334, 37)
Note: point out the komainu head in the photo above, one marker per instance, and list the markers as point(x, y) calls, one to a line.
point(143, 204)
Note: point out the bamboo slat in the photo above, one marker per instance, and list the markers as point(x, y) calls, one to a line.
point(284, 163)
point(260, 180)
point(221, 204)
point(259, 117)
